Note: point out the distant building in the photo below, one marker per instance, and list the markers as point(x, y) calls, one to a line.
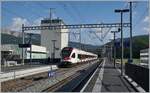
point(11, 52)
point(144, 57)
point(57, 36)
point(38, 52)
point(13, 47)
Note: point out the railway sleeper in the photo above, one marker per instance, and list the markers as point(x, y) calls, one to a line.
point(77, 83)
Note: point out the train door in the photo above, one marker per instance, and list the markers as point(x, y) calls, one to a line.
point(78, 58)
point(73, 58)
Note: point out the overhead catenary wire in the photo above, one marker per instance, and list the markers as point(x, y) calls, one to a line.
point(15, 14)
point(82, 19)
point(64, 6)
point(33, 11)
point(43, 7)
point(140, 17)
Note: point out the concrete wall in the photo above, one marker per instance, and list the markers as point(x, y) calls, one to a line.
point(38, 52)
point(144, 57)
point(61, 37)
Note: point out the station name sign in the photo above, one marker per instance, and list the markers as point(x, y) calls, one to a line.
point(24, 45)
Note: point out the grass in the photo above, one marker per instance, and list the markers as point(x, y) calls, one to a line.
point(135, 61)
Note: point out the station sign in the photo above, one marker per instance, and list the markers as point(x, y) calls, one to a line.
point(51, 73)
point(24, 45)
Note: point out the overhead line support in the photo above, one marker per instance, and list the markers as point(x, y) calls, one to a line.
point(76, 26)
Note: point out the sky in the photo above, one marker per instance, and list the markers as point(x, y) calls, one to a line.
point(16, 13)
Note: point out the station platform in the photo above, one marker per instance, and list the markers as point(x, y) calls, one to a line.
point(108, 79)
point(19, 67)
point(25, 70)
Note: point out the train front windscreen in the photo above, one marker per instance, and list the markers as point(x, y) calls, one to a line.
point(66, 52)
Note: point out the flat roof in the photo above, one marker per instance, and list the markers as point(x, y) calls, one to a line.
point(55, 21)
point(144, 50)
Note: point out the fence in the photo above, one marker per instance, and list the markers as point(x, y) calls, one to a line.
point(138, 74)
point(42, 61)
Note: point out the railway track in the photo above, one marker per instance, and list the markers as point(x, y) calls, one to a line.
point(22, 83)
point(60, 84)
point(75, 82)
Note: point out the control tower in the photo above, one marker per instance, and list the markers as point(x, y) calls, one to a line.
point(54, 40)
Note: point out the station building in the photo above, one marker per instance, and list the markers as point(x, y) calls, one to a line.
point(11, 54)
point(144, 57)
point(55, 39)
point(37, 52)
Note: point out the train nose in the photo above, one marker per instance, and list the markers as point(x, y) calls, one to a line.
point(66, 58)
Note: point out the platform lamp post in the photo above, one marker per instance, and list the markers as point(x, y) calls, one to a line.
point(121, 11)
point(53, 55)
point(23, 41)
point(30, 47)
point(111, 49)
point(114, 47)
point(131, 59)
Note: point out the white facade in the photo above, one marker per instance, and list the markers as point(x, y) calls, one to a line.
point(60, 35)
point(144, 57)
point(38, 52)
point(36, 48)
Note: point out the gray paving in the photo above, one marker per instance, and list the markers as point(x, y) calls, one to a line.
point(108, 79)
point(113, 81)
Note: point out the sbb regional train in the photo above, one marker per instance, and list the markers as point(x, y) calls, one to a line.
point(70, 55)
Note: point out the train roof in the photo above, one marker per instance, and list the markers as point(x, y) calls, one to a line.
point(81, 51)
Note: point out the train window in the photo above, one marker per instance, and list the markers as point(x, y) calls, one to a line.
point(73, 55)
point(65, 53)
point(79, 56)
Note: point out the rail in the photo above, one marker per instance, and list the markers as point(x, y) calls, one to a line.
point(75, 82)
point(41, 80)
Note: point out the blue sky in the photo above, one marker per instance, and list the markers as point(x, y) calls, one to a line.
point(74, 12)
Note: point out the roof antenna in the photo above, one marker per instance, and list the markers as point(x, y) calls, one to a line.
point(50, 15)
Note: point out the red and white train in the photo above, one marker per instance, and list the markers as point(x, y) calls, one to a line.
point(70, 55)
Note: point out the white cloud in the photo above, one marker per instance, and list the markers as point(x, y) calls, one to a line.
point(134, 13)
point(147, 29)
point(146, 19)
point(17, 23)
point(37, 21)
point(108, 35)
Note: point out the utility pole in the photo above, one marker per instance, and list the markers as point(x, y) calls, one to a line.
point(111, 52)
point(31, 48)
point(114, 47)
point(22, 43)
point(122, 48)
point(53, 55)
point(121, 29)
point(131, 31)
point(80, 39)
